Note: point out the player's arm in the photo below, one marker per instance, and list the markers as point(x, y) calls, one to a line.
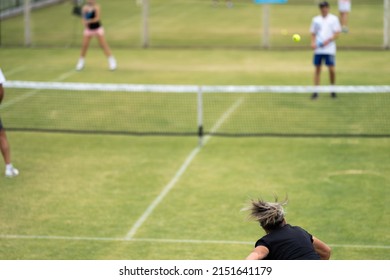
point(333, 38)
point(83, 15)
point(336, 27)
point(259, 253)
point(313, 41)
point(321, 248)
point(1, 93)
point(97, 14)
point(2, 80)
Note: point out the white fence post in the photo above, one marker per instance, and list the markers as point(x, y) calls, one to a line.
point(27, 23)
point(386, 24)
point(265, 39)
point(145, 23)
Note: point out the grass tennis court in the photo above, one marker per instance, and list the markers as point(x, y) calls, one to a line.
point(79, 196)
point(84, 196)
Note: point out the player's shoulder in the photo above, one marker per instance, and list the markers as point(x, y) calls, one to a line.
point(299, 229)
point(333, 17)
point(85, 8)
point(264, 241)
point(317, 17)
point(294, 227)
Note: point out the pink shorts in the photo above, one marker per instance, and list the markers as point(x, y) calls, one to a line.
point(94, 32)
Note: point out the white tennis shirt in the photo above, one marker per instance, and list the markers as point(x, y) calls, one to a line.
point(324, 28)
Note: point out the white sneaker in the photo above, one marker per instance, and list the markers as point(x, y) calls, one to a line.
point(112, 63)
point(11, 172)
point(80, 65)
point(345, 29)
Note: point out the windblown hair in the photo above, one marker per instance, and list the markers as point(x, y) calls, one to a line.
point(270, 215)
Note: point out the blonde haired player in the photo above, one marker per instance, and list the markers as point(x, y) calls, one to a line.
point(283, 241)
point(91, 19)
point(10, 171)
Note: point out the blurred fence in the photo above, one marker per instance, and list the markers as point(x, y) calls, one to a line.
point(9, 8)
point(192, 23)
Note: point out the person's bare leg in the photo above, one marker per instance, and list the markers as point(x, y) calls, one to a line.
point(10, 171)
point(84, 49)
point(104, 45)
point(4, 147)
point(332, 75)
point(317, 76)
point(332, 79)
point(344, 21)
point(85, 45)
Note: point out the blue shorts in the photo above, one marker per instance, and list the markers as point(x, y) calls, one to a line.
point(329, 59)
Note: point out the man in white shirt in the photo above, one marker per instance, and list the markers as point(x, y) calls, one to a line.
point(10, 171)
point(324, 30)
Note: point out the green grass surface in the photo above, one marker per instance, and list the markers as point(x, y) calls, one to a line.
point(78, 196)
point(97, 187)
point(198, 67)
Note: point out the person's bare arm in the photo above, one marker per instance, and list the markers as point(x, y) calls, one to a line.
point(313, 41)
point(1, 93)
point(259, 253)
point(321, 248)
point(97, 14)
point(333, 38)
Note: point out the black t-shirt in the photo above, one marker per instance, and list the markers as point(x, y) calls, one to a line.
point(289, 243)
point(90, 15)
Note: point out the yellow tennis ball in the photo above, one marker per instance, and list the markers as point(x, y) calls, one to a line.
point(296, 37)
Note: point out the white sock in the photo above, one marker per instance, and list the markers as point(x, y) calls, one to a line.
point(80, 64)
point(112, 63)
point(9, 166)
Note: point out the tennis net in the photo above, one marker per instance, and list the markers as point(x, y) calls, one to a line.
point(358, 111)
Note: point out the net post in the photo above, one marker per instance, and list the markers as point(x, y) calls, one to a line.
point(200, 115)
point(27, 23)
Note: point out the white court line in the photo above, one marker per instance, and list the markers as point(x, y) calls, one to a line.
point(179, 173)
point(178, 241)
point(35, 91)
point(162, 194)
point(14, 71)
point(223, 118)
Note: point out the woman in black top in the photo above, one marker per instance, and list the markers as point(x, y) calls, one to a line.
point(93, 27)
point(283, 241)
